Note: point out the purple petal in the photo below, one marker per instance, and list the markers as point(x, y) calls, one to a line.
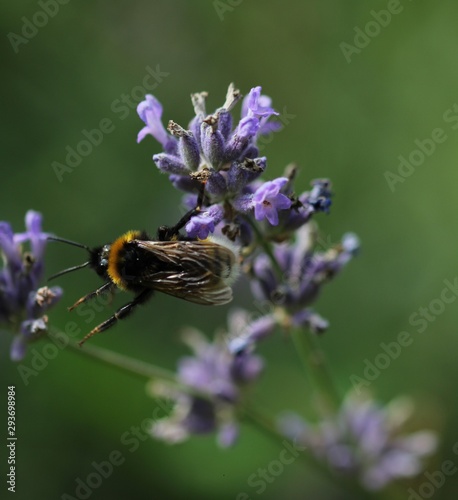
point(18, 348)
point(250, 333)
point(200, 226)
point(282, 202)
point(268, 127)
point(247, 128)
point(38, 239)
point(195, 373)
point(269, 189)
point(228, 434)
point(238, 143)
point(150, 111)
point(257, 105)
point(271, 215)
point(9, 247)
point(267, 200)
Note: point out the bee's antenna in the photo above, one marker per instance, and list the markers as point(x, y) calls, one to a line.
point(69, 270)
point(69, 242)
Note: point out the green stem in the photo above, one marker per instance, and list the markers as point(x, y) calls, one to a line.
point(314, 363)
point(133, 366)
point(124, 363)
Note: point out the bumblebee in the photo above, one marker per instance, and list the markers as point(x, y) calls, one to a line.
point(199, 271)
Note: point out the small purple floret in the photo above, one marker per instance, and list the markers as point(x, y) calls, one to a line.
point(267, 200)
point(150, 111)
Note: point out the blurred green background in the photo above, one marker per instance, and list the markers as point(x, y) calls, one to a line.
point(353, 117)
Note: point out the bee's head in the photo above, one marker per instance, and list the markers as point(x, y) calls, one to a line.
point(98, 260)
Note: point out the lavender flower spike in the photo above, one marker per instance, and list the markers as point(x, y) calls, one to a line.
point(23, 305)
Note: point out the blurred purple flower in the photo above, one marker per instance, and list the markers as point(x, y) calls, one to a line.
point(23, 305)
point(304, 270)
point(244, 330)
point(364, 439)
point(219, 376)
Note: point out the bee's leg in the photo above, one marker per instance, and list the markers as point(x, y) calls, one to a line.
point(121, 313)
point(107, 287)
point(165, 233)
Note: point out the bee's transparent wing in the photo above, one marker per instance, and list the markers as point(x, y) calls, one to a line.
point(195, 271)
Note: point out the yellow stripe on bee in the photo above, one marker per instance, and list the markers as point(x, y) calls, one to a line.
point(115, 259)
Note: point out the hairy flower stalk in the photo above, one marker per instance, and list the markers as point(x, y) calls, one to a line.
point(23, 304)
